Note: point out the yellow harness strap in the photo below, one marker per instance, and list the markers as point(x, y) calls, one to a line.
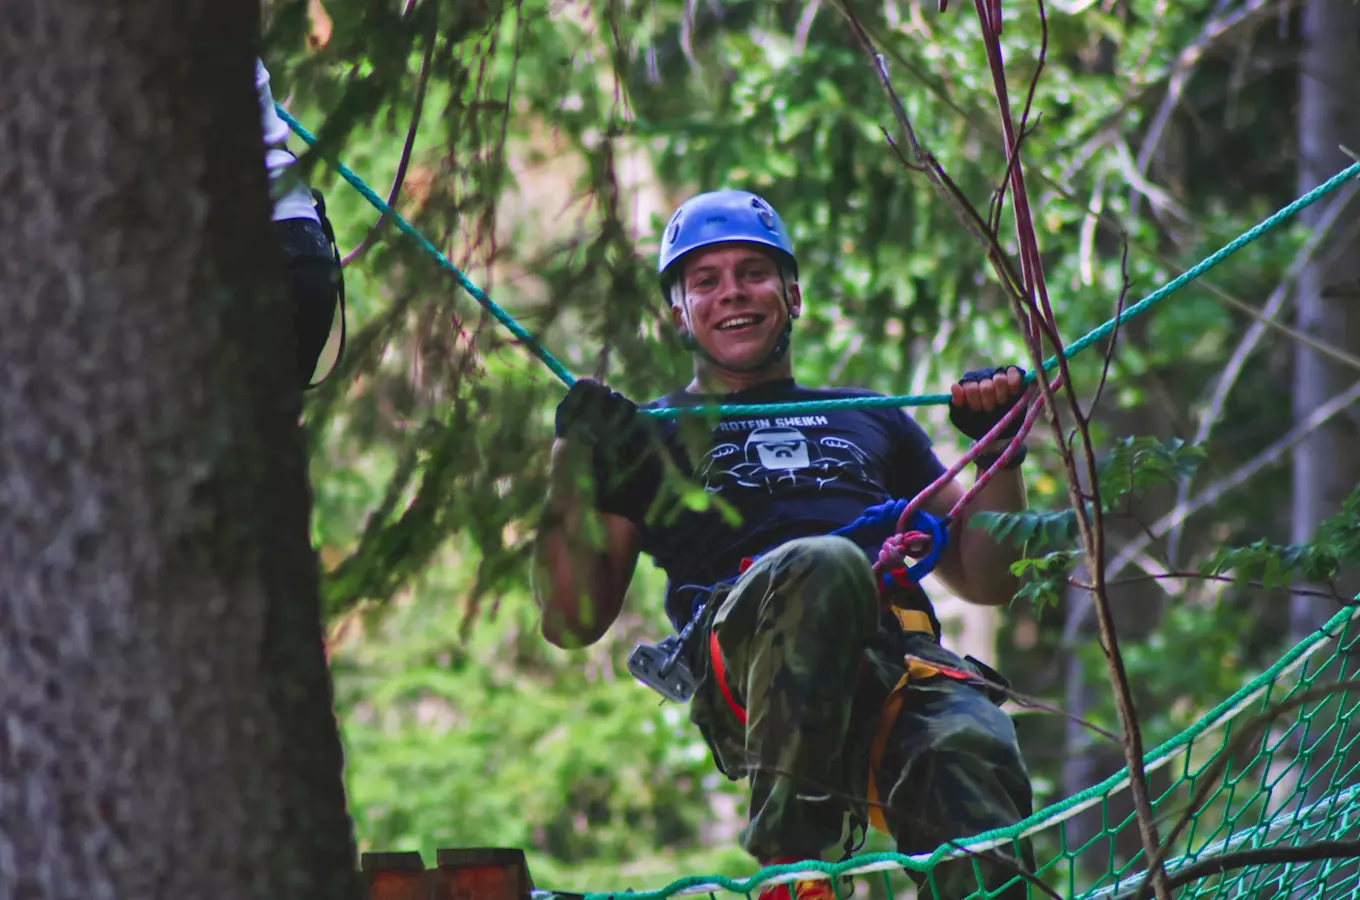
point(912, 620)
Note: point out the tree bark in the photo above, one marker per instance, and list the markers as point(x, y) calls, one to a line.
point(1325, 464)
point(165, 718)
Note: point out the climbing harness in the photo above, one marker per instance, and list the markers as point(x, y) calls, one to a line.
point(915, 535)
point(664, 666)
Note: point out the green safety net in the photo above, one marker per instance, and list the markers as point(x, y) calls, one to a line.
point(1251, 791)
point(1274, 767)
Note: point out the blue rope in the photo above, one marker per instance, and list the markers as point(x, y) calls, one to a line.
point(809, 406)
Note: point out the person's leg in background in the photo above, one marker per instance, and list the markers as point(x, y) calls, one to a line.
point(303, 235)
point(314, 277)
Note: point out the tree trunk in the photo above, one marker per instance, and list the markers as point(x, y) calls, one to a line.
point(1325, 464)
point(167, 729)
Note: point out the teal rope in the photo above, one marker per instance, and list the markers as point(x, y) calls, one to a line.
point(784, 409)
point(477, 294)
point(1273, 222)
point(1196, 271)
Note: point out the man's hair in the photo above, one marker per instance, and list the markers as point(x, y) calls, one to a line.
point(786, 275)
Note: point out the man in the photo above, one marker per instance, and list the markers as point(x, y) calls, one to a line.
point(305, 236)
point(814, 684)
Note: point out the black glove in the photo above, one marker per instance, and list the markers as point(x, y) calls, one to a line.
point(976, 423)
point(593, 414)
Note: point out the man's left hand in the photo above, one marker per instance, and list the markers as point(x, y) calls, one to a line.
point(982, 397)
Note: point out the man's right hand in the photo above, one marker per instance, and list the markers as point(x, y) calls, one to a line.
point(591, 413)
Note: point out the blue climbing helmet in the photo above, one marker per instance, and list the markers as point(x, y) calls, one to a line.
point(718, 217)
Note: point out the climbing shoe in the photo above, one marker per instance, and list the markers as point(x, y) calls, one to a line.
point(817, 889)
point(811, 889)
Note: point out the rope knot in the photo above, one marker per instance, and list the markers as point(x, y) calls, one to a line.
point(899, 547)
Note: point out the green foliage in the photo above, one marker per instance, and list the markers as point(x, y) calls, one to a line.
point(1044, 577)
point(1335, 543)
point(1035, 528)
point(1133, 466)
point(1137, 464)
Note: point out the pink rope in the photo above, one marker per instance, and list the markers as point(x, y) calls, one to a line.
point(916, 544)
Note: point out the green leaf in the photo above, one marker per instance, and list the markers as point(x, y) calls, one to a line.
point(1336, 542)
point(1045, 528)
point(1045, 577)
point(1139, 463)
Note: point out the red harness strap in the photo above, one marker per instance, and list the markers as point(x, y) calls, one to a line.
point(720, 673)
point(900, 576)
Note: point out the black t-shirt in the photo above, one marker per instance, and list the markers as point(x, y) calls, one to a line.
point(786, 476)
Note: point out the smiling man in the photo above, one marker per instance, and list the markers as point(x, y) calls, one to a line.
point(831, 694)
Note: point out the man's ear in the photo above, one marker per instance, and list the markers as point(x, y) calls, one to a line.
point(678, 316)
point(795, 298)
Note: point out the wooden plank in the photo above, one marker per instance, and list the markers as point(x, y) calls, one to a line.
point(482, 873)
point(398, 875)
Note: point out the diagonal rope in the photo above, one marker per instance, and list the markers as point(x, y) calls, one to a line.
point(776, 409)
point(432, 251)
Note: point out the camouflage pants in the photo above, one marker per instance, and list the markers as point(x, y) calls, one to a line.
point(829, 694)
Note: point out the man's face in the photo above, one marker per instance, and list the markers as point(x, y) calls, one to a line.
point(734, 303)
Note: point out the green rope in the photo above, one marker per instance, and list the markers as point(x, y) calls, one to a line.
point(1199, 269)
point(477, 294)
point(783, 409)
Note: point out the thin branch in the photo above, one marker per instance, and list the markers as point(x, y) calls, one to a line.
point(1139, 184)
point(1087, 242)
point(1237, 362)
point(1271, 454)
point(1219, 23)
point(1227, 579)
point(1030, 304)
point(1317, 236)
point(687, 33)
point(1028, 702)
point(804, 27)
point(1210, 495)
point(400, 178)
point(1090, 523)
point(1105, 219)
point(1114, 334)
point(851, 349)
point(1264, 856)
point(1201, 47)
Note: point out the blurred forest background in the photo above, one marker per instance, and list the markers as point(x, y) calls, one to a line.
point(541, 145)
